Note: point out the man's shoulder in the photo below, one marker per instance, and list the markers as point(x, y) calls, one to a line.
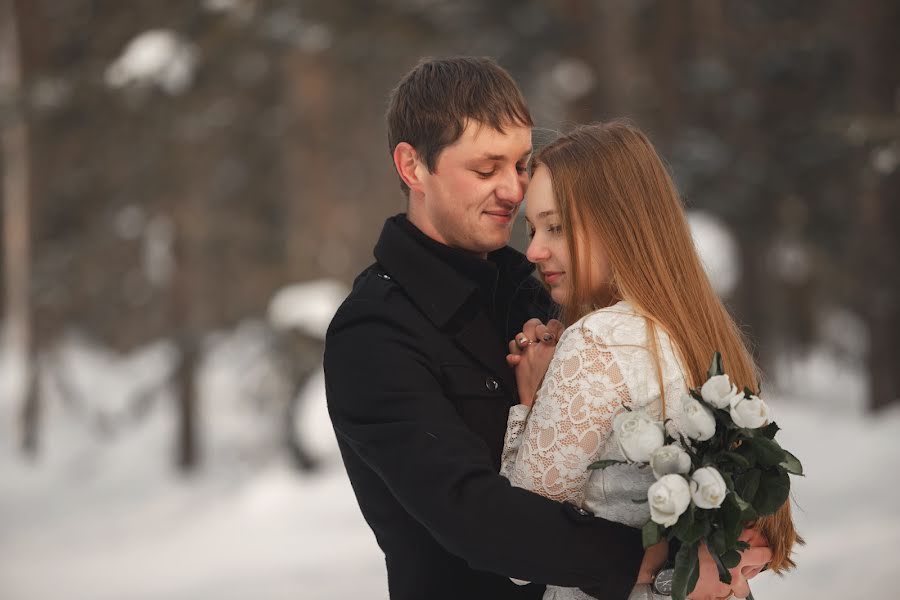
point(374, 296)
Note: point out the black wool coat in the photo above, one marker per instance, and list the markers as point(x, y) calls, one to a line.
point(418, 392)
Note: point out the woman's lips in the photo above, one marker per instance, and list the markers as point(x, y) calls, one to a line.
point(552, 277)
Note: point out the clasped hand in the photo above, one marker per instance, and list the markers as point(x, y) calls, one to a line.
point(530, 353)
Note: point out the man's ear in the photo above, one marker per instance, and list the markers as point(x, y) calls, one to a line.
point(406, 161)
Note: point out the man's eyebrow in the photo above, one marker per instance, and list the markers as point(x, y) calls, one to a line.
point(489, 156)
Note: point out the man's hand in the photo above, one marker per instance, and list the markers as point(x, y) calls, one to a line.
point(530, 353)
point(753, 560)
point(654, 559)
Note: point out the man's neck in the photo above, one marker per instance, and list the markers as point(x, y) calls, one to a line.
point(426, 227)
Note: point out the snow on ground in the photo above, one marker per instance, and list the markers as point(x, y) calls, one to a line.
point(107, 519)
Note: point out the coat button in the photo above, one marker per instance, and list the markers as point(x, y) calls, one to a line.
point(491, 384)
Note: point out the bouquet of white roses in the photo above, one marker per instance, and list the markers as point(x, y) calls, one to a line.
point(724, 471)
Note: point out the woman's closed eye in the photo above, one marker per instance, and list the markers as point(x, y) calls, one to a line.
point(554, 229)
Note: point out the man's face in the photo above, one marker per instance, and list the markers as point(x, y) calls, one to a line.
point(471, 199)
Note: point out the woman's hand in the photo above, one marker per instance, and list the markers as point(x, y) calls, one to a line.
point(530, 353)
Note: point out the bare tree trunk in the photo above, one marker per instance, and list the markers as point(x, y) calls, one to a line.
point(186, 397)
point(15, 153)
point(877, 82)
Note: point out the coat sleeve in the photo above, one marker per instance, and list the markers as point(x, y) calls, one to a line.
point(388, 407)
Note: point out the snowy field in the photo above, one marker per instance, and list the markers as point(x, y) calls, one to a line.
point(97, 519)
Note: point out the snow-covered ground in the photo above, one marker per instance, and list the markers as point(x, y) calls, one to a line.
point(106, 519)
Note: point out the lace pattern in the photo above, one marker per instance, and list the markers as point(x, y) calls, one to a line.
point(602, 364)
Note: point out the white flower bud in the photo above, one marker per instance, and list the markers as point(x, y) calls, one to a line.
point(668, 499)
point(638, 435)
point(669, 459)
point(696, 421)
point(719, 391)
point(749, 412)
point(708, 489)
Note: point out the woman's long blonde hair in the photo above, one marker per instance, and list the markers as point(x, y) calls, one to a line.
point(612, 189)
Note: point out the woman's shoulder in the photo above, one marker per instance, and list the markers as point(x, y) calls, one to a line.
point(624, 334)
point(612, 325)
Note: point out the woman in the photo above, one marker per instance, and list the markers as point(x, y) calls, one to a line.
point(611, 242)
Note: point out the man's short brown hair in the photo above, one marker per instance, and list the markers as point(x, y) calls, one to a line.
point(430, 106)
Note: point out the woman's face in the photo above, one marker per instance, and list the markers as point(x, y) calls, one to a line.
point(548, 249)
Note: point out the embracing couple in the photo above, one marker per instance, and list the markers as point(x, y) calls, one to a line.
point(469, 397)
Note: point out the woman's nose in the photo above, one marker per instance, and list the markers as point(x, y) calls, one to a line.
point(537, 252)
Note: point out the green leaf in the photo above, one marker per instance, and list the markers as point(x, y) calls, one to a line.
point(724, 575)
point(731, 559)
point(768, 431)
point(774, 487)
point(697, 529)
point(737, 459)
point(687, 571)
point(747, 483)
point(715, 367)
point(791, 464)
point(602, 464)
point(768, 452)
point(732, 524)
point(716, 542)
point(651, 533)
point(741, 503)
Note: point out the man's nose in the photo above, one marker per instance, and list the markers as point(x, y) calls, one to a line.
point(512, 187)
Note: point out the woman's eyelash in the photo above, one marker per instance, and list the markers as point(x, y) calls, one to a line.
point(550, 229)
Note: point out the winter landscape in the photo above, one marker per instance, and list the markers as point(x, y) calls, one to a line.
point(99, 519)
point(168, 168)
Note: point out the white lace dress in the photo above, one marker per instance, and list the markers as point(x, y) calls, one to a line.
point(602, 363)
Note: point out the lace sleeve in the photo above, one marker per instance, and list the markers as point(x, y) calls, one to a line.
point(515, 427)
point(571, 419)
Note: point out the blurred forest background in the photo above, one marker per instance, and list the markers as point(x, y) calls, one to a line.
point(169, 166)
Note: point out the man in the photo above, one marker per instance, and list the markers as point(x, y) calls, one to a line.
point(417, 383)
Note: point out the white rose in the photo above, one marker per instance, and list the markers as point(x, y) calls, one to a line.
point(638, 435)
point(696, 420)
point(708, 489)
point(669, 459)
point(719, 391)
point(668, 498)
point(749, 412)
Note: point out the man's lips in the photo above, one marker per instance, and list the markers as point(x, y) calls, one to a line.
point(552, 276)
point(503, 216)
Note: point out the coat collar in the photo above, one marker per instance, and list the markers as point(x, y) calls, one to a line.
point(440, 280)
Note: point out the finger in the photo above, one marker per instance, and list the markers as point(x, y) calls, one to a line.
point(544, 334)
point(513, 360)
point(523, 340)
point(556, 327)
point(514, 347)
point(529, 328)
